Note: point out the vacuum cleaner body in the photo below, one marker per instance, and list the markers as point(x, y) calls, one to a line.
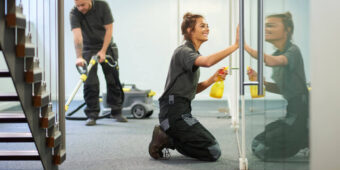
point(138, 103)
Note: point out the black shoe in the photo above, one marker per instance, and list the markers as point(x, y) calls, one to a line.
point(120, 118)
point(90, 122)
point(159, 141)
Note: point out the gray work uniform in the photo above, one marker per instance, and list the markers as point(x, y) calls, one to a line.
point(188, 136)
point(285, 137)
point(93, 32)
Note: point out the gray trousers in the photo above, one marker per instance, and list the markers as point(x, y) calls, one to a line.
point(188, 136)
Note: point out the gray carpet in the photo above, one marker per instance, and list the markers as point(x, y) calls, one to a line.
point(124, 146)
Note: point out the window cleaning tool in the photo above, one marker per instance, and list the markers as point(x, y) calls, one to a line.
point(84, 73)
point(218, 87)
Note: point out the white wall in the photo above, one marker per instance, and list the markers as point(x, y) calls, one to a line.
point(325, 96)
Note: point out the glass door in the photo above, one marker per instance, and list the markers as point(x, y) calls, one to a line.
point(276, 128)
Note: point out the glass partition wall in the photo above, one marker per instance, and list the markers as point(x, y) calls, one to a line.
point(277, 129)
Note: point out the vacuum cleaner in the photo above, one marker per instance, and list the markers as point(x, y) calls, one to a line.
point(137, 103)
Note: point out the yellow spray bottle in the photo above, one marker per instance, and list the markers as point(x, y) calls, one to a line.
point(218, 87)
point(253, 88)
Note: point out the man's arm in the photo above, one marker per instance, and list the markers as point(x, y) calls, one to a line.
point(107, 40)
point(78, 45)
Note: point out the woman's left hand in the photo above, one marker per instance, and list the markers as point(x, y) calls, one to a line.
point(220, 74)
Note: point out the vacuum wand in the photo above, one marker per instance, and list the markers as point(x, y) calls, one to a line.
point(84, 73)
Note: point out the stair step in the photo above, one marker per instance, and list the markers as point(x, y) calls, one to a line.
point(33, 76)
point(42, 100)
point(29, 50)
point(19, 155)
point(55, 140)
point(16, 137)
point(12, 118)
point(4, 73)
point(25, 50)
point(60, 157)
point(9, 97)
point(15, 18)
point(48, 121)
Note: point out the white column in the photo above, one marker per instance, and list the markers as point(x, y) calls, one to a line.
point(325, 78)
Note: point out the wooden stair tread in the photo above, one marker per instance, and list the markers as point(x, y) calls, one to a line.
point(29, 50)
point(41, 100)
point(4, 73)
point(60, 157)
point(12, 115)
point(19, 155)
point(12, 118)
point(12, 153)
point(16, 137)
point(16, 18)
point(33, 76)
point(55, 140)
point(25, 50)
point(48, 121)
point(9, 97)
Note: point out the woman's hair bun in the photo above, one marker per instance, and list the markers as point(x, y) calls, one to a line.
point(288, 15)
point(187, 15)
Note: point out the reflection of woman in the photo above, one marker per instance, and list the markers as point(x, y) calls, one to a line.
point(284, 137)
point(178, 129)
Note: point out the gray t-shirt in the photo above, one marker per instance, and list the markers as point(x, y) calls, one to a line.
point(92, 24)
point(183, 75)
point(290, 78)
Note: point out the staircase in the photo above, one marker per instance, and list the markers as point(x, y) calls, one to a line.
point(31, 92)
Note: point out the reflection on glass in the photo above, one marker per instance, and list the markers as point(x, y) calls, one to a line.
point(286, 136)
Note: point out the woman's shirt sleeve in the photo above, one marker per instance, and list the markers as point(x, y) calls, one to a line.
point(187, 59)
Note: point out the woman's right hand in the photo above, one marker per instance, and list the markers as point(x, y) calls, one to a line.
point(220, 74)
point(80, 62)
point(252, 74)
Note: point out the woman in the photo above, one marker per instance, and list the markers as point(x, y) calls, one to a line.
point(284, 137)
point(178, 129)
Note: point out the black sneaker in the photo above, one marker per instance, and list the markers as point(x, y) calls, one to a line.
point(90, 122)
point(120, 118)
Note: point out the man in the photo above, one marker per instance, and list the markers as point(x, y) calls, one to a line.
point(92, 25)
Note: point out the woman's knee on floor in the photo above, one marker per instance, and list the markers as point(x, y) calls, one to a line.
point(214, 152)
